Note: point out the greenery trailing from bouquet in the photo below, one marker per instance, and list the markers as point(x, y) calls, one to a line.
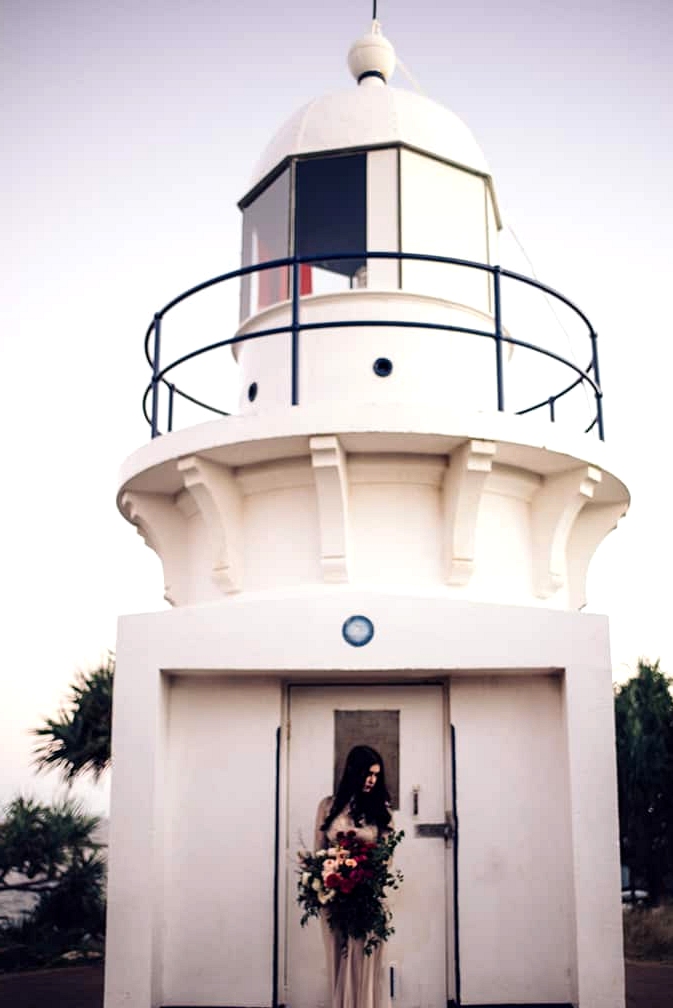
point(348, 883)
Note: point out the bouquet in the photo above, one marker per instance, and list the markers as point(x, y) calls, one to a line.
point(348, 883)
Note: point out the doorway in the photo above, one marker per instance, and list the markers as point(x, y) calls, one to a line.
point(409, 725)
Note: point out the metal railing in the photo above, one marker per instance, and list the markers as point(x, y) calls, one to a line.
point(588, 377)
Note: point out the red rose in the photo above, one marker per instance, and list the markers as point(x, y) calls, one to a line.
point(332, 881)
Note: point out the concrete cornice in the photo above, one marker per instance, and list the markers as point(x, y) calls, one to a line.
point(296, 503)
point(534, 444)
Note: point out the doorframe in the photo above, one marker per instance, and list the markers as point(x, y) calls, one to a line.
point(454, 1002)
point(282, 847)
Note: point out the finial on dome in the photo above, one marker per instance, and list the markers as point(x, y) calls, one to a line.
point(372, 58)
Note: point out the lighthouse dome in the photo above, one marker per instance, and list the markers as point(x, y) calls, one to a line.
point(366, 117)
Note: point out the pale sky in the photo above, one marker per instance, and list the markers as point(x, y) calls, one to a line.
point(130, 132)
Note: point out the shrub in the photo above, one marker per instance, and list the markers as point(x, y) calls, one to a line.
point(648, 933)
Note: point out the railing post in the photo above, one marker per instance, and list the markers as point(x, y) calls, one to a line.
point(156, 368)
point(597, 379)
point(171, 398)
point(295, 331)
point(498, 337)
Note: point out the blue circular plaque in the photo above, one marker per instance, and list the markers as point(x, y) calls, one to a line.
point(358, 630)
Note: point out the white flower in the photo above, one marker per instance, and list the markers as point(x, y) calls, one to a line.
point(316, 884)
point(326, 897)
point(305, 878)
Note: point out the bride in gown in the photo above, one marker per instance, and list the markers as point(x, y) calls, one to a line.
point(361, 804)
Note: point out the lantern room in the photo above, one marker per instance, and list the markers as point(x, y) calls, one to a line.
point(337, 175)
point(368, 191)
point(350, 199)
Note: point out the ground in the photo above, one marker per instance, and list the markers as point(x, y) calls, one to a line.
point(648, 985)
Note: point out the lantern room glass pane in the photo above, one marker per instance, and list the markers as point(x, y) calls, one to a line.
point(331, 217)
point(444, 214)
point(266, 236)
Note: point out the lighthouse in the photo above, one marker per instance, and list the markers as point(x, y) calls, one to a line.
point(386, 544)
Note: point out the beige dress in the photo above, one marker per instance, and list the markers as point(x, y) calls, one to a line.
point(356, 980)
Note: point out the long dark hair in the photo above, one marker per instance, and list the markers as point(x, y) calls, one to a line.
point(372, 807)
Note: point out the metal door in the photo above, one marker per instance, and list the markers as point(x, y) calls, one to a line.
point(410, 724)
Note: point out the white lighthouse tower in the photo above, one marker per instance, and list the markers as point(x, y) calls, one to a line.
point(375, 549)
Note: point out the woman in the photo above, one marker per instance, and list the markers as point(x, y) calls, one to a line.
point(362, 804)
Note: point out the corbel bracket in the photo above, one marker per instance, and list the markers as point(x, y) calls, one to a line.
point(554, 508)
point(217, 495)
point(593, 524)
point(162, 527)
point(331, 482)
point(468, 469)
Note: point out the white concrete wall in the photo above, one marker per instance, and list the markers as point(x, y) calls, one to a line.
point(589, 717)
point(395, 522)
point(135, 913)
point(503, 548)
point(219, 842)
point(281, 530)
point(335, 364)
point(515, 855)
point(164, 944)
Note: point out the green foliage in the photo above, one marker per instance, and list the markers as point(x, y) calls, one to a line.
point(77, 901)
point(644, 733)
point(43, 842)
point(78, 740)
point(49, 851)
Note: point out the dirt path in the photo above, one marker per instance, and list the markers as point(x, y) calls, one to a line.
point(648, 985)
point(70, 987)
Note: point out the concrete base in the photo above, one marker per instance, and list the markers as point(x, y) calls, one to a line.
point(194, 786)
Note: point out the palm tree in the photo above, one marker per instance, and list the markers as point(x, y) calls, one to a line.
point(49, 858)
point(45, 845)
point(77, 741)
